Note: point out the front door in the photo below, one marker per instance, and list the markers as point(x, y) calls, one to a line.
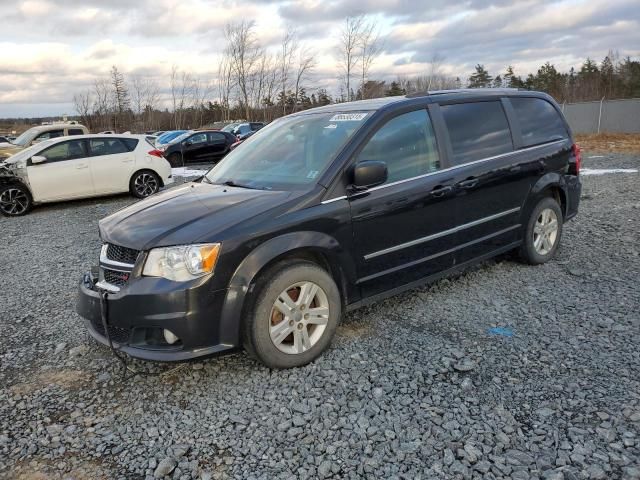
point(195, 148)
point(64, 175)
point(403, 229)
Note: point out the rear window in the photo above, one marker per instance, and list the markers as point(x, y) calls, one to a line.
point(76, 131)
point(106, 146)
point(130, 143)
point(477, 130)
point(539, 121)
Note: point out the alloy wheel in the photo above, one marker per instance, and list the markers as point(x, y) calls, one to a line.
point(145, 184)
point(299, 317)
point(14, 201)
point(545, 231)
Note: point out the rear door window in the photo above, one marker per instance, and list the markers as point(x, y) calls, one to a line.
point(76, 131)
point(130, 143)
point(49, 134)
point(539, 121)
point(406, 144)
point(477, 130)
point(216, 138)
point(106, 146)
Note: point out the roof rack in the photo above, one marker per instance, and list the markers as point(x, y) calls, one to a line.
point(461, 90)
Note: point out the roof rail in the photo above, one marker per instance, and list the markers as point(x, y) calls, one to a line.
point(461, 90)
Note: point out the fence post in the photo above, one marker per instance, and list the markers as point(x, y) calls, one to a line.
point(600, 114)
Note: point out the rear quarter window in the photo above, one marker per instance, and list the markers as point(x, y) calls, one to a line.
point(539, 121)
point(477, 130)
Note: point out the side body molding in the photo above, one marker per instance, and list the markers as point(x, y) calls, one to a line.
point(340, 261)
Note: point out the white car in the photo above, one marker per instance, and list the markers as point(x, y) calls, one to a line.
point(83, 166)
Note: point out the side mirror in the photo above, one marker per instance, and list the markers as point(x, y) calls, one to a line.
point(188, 143)
point(369, 174)
point(38, 159)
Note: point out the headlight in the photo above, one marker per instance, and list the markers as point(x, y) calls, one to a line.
point(182, 263)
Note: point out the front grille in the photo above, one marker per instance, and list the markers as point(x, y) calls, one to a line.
point(117, 334)
point(114, 277)
point(122, 254)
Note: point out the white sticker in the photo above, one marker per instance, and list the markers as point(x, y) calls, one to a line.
point(348, 117)
point(331, 125)
point(313, 174)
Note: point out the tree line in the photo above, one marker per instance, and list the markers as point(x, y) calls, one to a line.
point(260, 84)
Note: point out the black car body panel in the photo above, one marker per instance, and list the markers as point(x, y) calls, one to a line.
point(201, 146)
point(374, 242)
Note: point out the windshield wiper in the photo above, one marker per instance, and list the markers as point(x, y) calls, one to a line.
point(232, 183)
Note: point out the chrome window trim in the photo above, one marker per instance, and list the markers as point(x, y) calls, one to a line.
point(441, 234)
point(380, 187)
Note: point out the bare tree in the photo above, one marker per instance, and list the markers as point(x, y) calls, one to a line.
point(102, 105)
point(83, 103)
point(225, 83)
point(306, 64)
point(370, 48)
point(288, 49)
point(181, 87)
point(244, 54)
point(349, 48)
point(121, 99)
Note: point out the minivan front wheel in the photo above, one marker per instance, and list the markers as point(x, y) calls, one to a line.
point(543, 233)
point(294, 316)
point(15, 200)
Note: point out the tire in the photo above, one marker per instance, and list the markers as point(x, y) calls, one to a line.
point(144, 184)
point(290, 346)
point(543, 232)
point(175, 160)
point(15, 200)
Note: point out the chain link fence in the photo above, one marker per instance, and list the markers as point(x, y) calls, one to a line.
point(605, 116)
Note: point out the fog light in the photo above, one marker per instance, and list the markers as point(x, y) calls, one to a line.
point(169, 337)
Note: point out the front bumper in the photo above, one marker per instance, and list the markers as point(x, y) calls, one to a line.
point(190, 311)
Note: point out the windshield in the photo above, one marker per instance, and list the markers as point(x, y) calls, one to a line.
point(290, 153)
point(167, 137)
point(229, 127)
point(24, 139)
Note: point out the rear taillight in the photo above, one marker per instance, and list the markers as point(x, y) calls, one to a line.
point(574, 168)
point(156, 153)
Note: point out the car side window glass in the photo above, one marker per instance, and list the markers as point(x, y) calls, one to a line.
point(407, 144)
point(106, 146)
point(216, 137)
point(477, 130)
point(198, 138)
point(75, 131)
point(539, 121)
point(50, 134)
point(65, 151)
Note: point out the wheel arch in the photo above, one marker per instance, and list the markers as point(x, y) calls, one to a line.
point(319, 248)
point(145, 169)
point(551, 184)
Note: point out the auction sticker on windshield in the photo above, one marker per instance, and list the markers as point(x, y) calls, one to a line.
point(348, 117)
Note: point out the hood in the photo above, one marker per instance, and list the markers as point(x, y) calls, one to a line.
point(193, 213)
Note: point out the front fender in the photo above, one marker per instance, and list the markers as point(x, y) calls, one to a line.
point(244, 277)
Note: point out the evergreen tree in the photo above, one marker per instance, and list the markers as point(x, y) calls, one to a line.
point(394, 90)
point(497, 82)
point(480, 79)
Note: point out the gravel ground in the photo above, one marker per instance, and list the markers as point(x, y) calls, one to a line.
point(417, 386)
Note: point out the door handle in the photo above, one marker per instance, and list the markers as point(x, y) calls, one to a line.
point(441, 190)
point(515, 169)
point(82, 167)
point(129, 160)
point(468, 183)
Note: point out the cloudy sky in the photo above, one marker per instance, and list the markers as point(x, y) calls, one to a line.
point(51, 49)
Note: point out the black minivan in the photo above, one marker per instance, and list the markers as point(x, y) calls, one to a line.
point(325, 210)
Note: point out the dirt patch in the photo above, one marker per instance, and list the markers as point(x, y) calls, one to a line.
point(353, 329)
point(609, 142)
point(46, 470)
point(66, 379)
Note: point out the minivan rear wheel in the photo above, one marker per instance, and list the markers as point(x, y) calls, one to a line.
point(15, 200)
point(294, 316)
point(543, 232)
